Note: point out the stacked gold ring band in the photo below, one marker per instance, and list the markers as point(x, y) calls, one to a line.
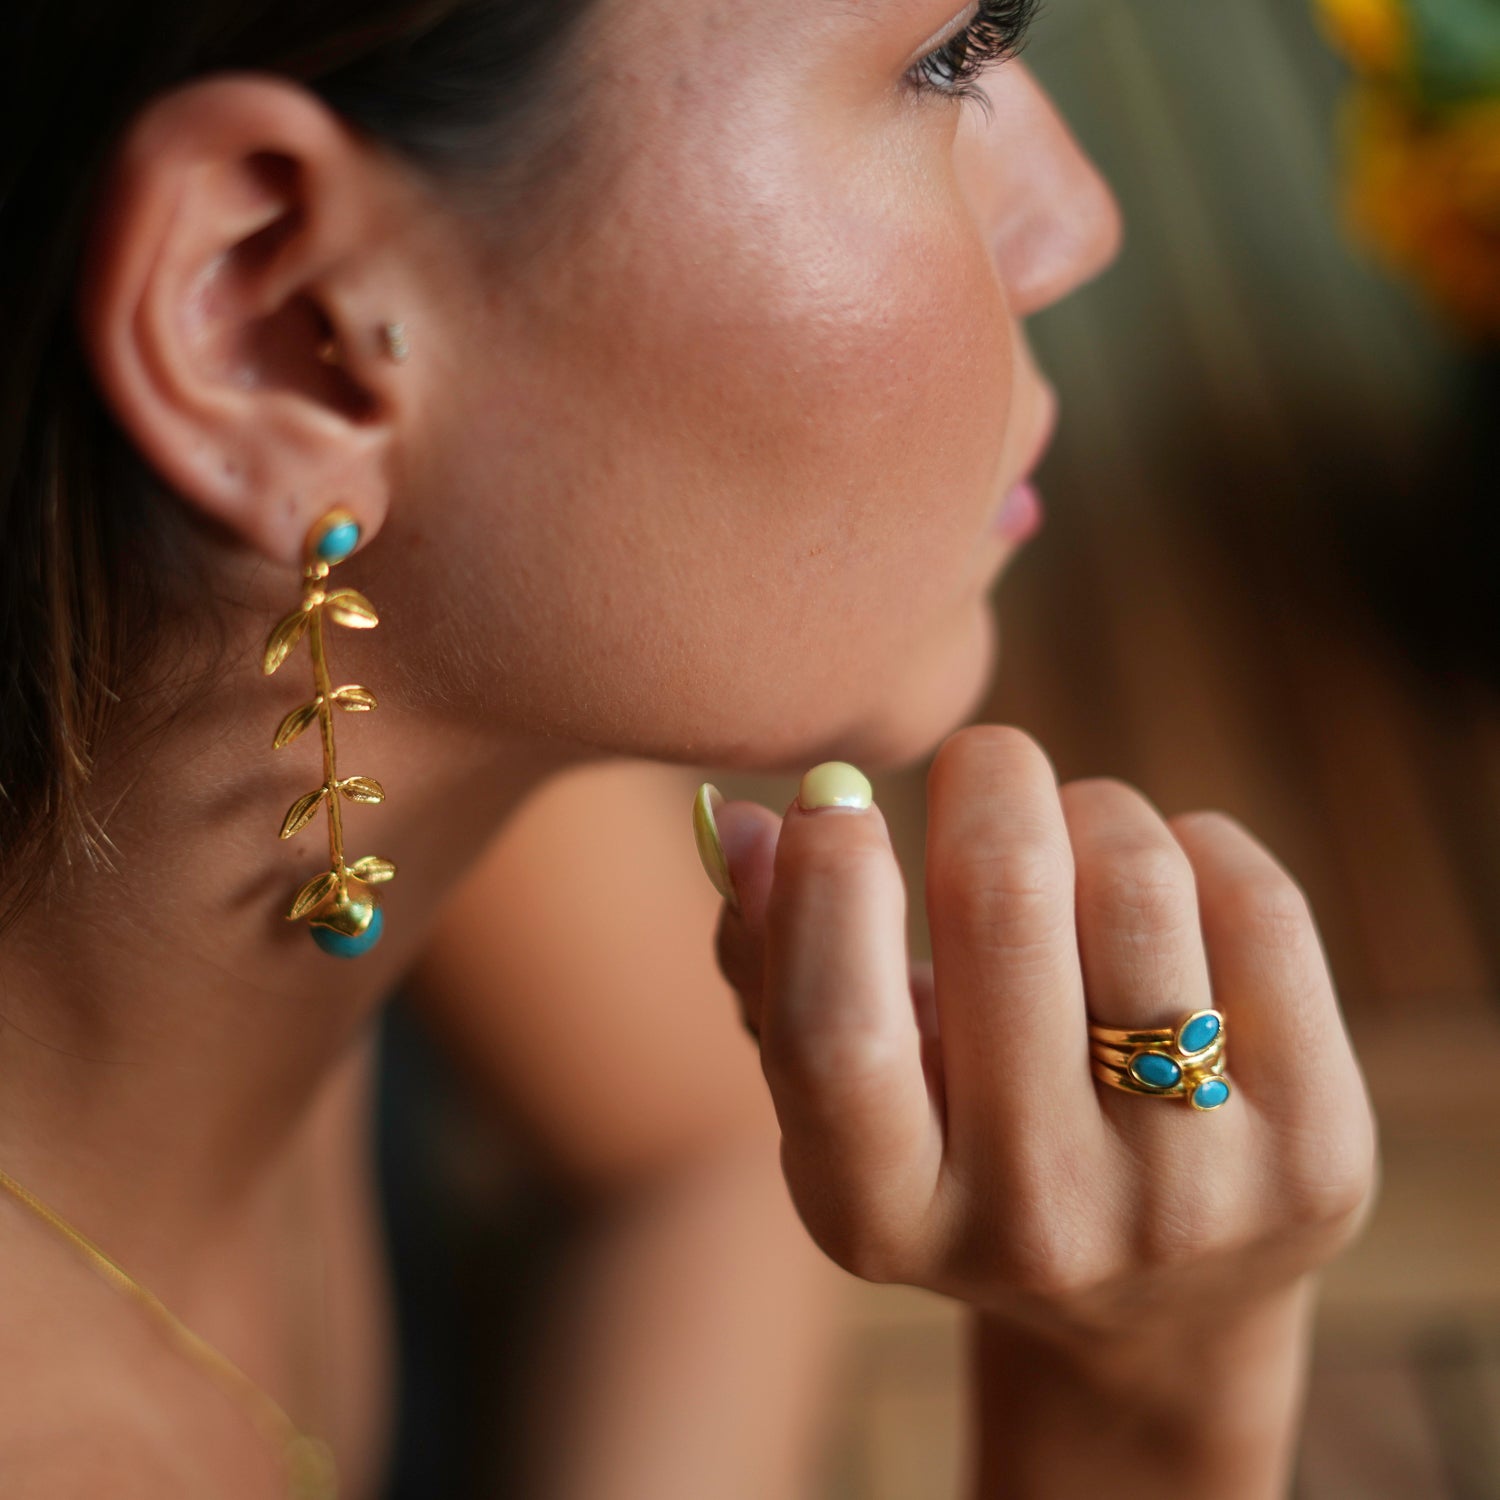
point(1185, 1061)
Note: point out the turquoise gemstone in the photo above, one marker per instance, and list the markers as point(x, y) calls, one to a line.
point(340, 945)
point(1199, 1033)
point(1156, 1070)
point(1211, 1093)
point(338, 542)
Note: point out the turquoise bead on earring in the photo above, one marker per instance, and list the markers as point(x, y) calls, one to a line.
point(338, 542)
point(342, 944)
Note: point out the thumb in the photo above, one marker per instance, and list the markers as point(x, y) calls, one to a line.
point(737, 844)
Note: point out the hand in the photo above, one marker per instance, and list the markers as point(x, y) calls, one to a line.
point(941, 1125)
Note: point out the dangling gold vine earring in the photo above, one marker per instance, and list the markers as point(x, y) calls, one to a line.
point(339, 905)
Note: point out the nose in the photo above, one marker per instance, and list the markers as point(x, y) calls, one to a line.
point(1050, 218)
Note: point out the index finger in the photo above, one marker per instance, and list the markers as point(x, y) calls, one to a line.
point(840, 1044)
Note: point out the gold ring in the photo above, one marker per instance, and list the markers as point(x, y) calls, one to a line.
point(1185, 1061)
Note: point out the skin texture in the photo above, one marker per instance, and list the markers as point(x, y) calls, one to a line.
point(667, 448)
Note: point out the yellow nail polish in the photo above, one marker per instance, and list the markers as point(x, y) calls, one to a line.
point(835, 783)
point(710, 850)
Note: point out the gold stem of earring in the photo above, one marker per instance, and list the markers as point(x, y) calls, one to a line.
point(324, 687)
point(345, 922)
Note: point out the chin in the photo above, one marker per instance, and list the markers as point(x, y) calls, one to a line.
point(940, 696)
point(937, 691)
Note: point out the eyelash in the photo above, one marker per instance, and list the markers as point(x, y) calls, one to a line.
point(996, 34)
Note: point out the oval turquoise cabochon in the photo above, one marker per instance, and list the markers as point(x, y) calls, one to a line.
point(1199, 1033)
point(1155, 1069)
point(1211, 1093)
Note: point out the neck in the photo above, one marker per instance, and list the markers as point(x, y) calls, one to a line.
point(164, 1031)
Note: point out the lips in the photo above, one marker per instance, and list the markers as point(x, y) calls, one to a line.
point(1021, 514)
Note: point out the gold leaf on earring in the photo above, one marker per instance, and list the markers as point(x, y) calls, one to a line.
point(281, 640)
point(313, 894)
point(294, 723)
point(350, 607)
point(299, 815)
point(373, 870)
point(355, 699)
point(362, 789)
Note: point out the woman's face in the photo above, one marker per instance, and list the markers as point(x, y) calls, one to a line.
point(716, 467)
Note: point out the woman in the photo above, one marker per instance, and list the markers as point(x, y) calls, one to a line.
point(656, 368)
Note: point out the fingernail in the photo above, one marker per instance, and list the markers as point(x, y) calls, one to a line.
point(710, 850)
point(835, 783)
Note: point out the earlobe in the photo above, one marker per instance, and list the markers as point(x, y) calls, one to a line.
point(243, 232)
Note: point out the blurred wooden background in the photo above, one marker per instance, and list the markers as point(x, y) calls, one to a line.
point(1266, 585)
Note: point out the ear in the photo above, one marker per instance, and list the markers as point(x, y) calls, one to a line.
point(243, 225)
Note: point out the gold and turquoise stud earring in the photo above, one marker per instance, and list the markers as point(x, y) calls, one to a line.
point(339, 904)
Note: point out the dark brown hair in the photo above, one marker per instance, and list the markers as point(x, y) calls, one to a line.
point(90, 559)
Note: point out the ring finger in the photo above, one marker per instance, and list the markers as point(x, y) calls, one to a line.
point(1140, 949)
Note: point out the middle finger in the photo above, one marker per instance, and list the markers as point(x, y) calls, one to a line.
point(1005, 959)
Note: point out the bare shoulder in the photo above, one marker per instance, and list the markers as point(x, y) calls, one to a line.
point(96, 1405)
point(81, 1430)
point(86, 1463)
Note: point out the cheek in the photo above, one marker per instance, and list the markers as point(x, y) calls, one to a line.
point(843, 371)
point(757, 450)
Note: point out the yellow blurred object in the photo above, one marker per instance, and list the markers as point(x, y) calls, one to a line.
point(1373, 34)
point(1424, 189)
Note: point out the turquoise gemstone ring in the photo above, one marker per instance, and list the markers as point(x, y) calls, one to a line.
point(1185, 1061)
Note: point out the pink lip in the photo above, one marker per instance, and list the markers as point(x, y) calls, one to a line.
point(1021, 514)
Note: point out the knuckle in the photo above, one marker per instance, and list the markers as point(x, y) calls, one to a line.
point(1176, 1235)
point(1045, 1245)
point(1330, 1203)
point(1208, 820)
point(1051, 1263)
point(871, 1258)
point(848, 1227)
point(1328, 1178)
point(997, 896)
point(1097, 788)
point(1269, 908)
point(1034, 870)
point(850, 1058)
point(1144, 881)
point(841, 862)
